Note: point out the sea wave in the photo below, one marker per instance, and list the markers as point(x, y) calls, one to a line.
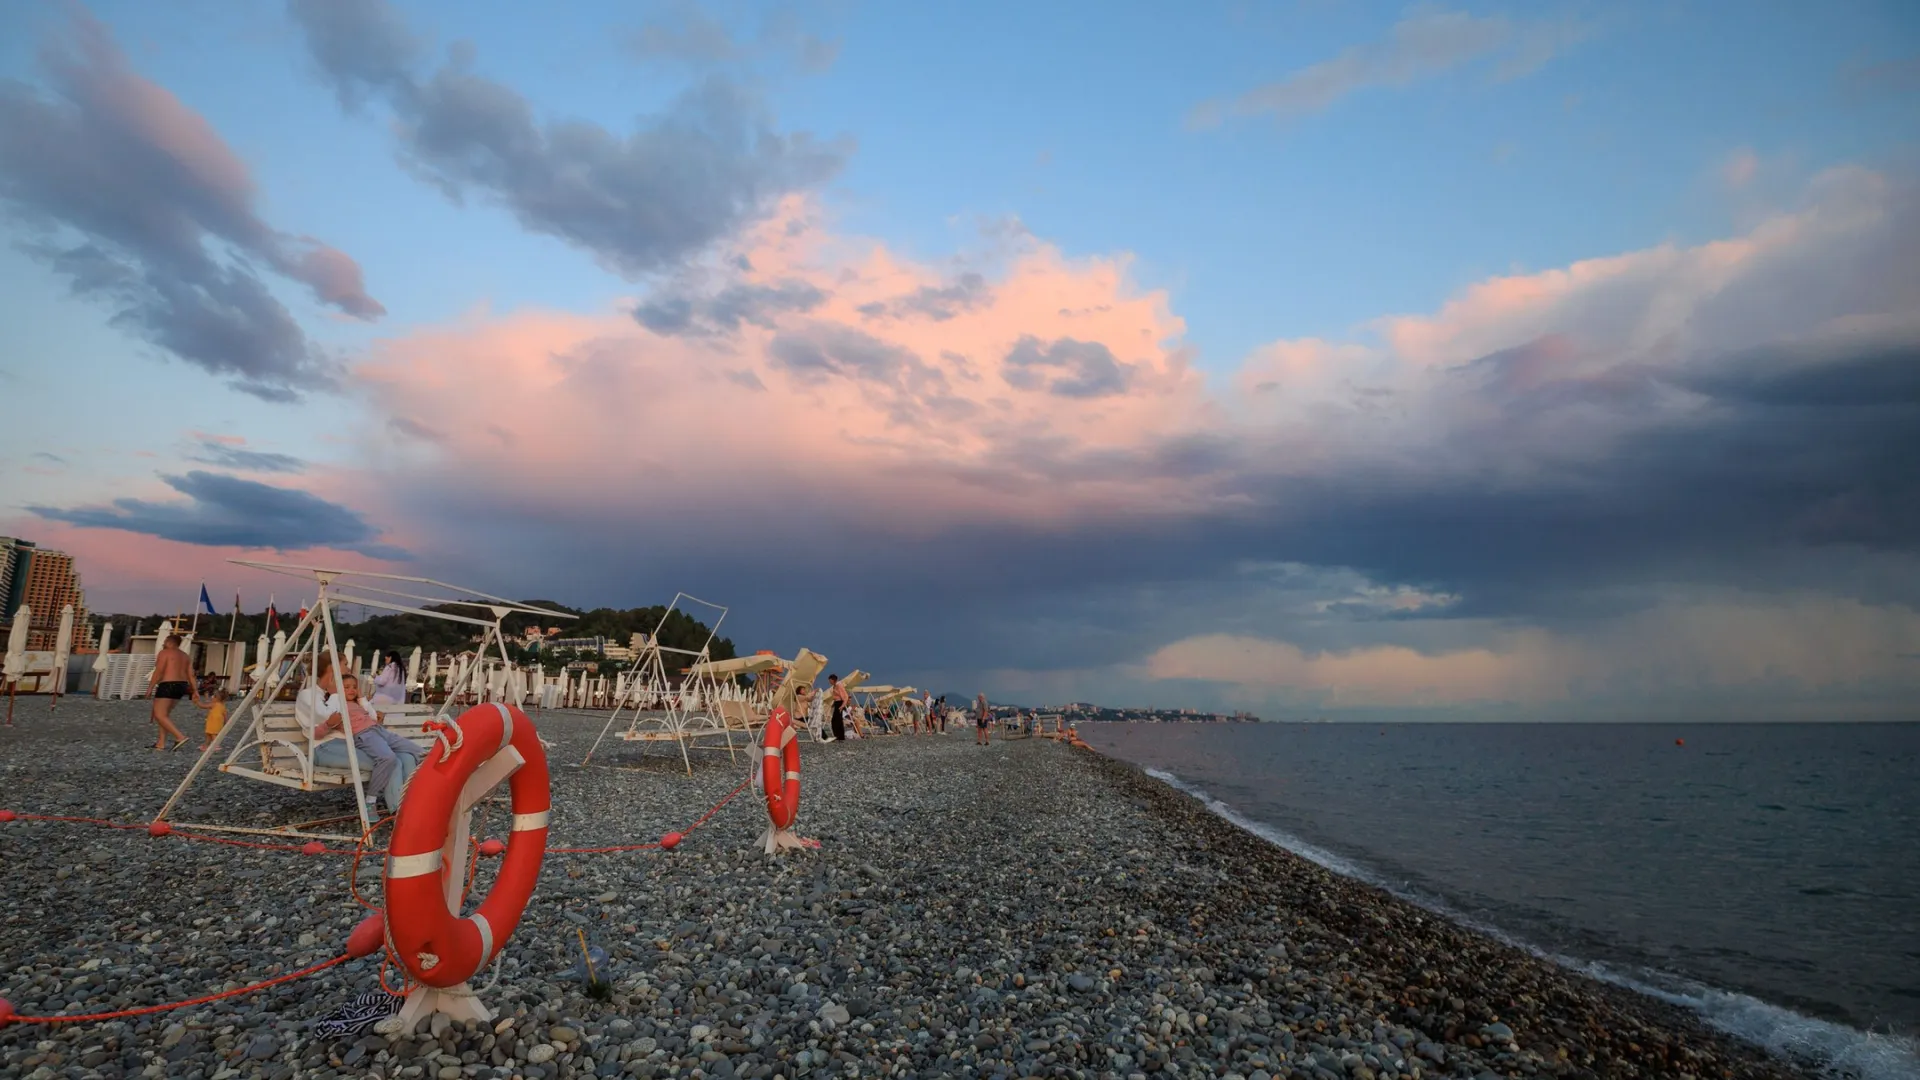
point(1835, 1049)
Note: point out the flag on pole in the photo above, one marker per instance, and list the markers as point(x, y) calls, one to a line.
point(206, 602)
point(273, 617)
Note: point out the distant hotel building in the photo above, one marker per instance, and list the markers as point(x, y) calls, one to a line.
point(46, 582)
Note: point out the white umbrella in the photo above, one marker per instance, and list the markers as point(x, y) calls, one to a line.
point(106, 646)
point(346, 656)
point(236, 665)
point(279, 645)
point(62, 648)
point(17, 643)
point(260, 654)
point(413, 668)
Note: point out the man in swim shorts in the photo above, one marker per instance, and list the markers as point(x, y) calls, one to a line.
point(982, 721)
point(172, 680)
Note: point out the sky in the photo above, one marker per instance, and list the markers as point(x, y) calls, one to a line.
point(1313, 358)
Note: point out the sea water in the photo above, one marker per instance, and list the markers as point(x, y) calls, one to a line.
point(1766, 875)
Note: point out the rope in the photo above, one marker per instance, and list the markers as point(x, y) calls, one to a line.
point(361, 848)
point(144, 1010)
point(704, 818)
point(182, 834)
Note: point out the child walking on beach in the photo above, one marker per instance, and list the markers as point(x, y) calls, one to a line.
point(216, 717)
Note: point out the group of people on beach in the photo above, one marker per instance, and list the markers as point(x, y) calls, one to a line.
point(833, 717)
point(329, 714)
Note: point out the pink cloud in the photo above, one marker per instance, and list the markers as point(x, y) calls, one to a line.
point(948, 415)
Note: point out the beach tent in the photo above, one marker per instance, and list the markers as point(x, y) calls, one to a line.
point(272, 747)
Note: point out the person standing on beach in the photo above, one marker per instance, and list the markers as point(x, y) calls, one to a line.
point(390, 685)
point(841, 699)
point(982, 721)
point(172, 679)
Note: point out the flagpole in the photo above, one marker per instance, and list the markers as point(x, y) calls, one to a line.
point(195, 625)
point(235, 621)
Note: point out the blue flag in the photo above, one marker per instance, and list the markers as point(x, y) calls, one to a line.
point(206, 602)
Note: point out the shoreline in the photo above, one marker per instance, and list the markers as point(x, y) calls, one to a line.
point(1025, 909)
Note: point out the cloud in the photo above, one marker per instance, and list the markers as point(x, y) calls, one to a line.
point(1088, 368)
point(1536, 464)
point(686, 34)
point(226, 511)
point(645, 201)
point(1719, 643)
point(724, 311)
point(936, 302)
point(1426, 43)
point(128, 194)
point(227, 453)
point(1740, 168)
point(1892, 77)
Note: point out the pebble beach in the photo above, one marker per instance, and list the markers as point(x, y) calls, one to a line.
point(1026, 909)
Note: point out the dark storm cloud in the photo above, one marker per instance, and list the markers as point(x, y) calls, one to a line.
point(640, 202)
point(126, 193)
point(226, 511)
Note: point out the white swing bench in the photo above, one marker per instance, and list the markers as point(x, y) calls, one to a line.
point(286, 750)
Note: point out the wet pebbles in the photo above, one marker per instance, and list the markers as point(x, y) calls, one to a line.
point(1021, 910)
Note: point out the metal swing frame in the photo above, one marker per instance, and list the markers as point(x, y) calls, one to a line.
point(311, 637)
point(679, 722)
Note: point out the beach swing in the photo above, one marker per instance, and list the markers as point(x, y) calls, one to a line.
point(802, 670)
point(658, 709)
point(273, 748)
point(736, 709)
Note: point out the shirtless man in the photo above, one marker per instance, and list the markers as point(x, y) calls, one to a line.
point(172, 679)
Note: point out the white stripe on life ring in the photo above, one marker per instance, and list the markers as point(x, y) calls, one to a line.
point(506, 725)
point(793, 775)
point(528, 822)
point(769, 751)
point(407, 866)
point(481, 924)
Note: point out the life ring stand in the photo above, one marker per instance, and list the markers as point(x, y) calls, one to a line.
point(778, 778)
point(426, 864)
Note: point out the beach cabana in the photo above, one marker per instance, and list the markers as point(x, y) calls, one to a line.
point(271, 747)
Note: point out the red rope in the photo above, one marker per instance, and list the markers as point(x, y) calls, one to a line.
point(704, 818)
point(361, 848)
point(144, 1010)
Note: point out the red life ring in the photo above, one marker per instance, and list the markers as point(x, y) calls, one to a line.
point(434, 944)
point(780, 769)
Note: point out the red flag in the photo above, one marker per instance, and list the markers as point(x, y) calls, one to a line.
point(273, 617)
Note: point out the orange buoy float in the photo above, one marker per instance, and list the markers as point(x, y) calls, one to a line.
point(779, 780)
point(1679, 742)
point(427, 856)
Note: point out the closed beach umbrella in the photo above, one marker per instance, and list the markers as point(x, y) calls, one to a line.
point(106, 646)
point(236, 665)
point(413, 667)
point(279, 646)
point(62, 647)
point(260, 651)
point(17, 643)
point(346, 655)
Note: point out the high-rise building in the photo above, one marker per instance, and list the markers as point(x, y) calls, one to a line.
point(46, 582)
point(14, 555)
